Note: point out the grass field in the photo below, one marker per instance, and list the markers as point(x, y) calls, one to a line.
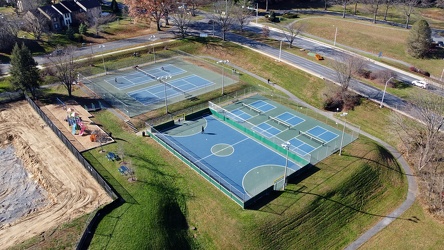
point(331, 205)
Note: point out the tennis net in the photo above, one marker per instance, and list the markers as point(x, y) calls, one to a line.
point(279, 121)
point(252, 108)
point(187, 95)
point(312, 137)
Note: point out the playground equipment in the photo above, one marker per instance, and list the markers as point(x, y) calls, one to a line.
point(75, 122)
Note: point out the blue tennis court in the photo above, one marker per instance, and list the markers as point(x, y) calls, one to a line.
point(181, 86)
point(241, 114)
point(262, 106)
point(297, 146)
point(322, 134)
point(139, 78)
point(266, 130)
point(289, 118)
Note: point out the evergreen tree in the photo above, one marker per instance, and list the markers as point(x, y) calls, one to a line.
point(420, 39)
point(115, 7)
point(83, 29)
point(24, 72)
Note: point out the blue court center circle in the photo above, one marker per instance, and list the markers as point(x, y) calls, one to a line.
point(222, 149)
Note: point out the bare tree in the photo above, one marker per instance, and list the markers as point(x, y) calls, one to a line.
point(291, 31)
point(7, 37)
point(146, 9)
point(37, 24)
point(194, 4)
point(223, 15)
point(345, 68)
point(65, 68)
point(181, 19)
point(407, 7)
point(422, 140)
point(387, 4)
point(374, 7)
point(95, 19)
point(344, 5)
point(242, 15)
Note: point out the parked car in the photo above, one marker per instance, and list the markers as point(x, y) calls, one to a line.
point(420, 83)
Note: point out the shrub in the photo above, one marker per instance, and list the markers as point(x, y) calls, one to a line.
point(272, 16)
point(413, 69)
point(290, 15)
point(364, 73)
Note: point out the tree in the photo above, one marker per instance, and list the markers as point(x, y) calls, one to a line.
point(291, 31)
point(36, 24)
point(242, 15)
point(345, 68)
point(24, 72)
point(115, 7)
point(223, 15)
point(7, 37)
point(344, 4)
point(194, 4)
point(65, 68)
point(419, 39)
point(147, 9)
point(387, 4)
point(83, 29)
point(374, 7)
point(181, 19)
point(407, 8)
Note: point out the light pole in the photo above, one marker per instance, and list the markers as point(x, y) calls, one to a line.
point(103, 58)
point(257, 11)
point(223, 73)
point(343, 131)
point(280, 51)
point(336, 33)
point(383, 93)
point(442, 74)
point(286, 146)
point(153, 38)
point(161, 78)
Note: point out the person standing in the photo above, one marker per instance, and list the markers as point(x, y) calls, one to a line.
point(203, 130)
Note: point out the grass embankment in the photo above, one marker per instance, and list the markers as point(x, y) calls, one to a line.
point(421, 232)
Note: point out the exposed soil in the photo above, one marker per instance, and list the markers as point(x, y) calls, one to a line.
point(49, 186)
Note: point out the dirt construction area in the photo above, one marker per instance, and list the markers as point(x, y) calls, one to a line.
point(42, 184)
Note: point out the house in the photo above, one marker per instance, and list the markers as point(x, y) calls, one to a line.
point(65, 13)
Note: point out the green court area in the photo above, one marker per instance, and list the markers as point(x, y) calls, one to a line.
point(144, 87)
point(272, 122)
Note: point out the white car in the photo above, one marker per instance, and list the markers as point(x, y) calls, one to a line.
point(420, 83)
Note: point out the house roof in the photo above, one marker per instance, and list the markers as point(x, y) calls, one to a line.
point(61, 8)
point(49, 11)
point(71, 6)
point(89, 4)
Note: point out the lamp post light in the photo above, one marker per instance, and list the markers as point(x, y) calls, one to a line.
point(153, 38)
point(343, 131)
point(103, 58)
point(383, 93)
point(280, 51)
point(336, 33)
point(223, 73)
point(286, 146)
point(160, 79)
point(442, 74)
point(257, 11)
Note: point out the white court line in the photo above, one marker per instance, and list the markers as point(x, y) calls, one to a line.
point(203, 158)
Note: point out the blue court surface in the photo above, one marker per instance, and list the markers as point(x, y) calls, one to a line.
point(138, 78)
point(262, 106)
point(290, 119)
point(228, 156)
point(266, 130)
point(181, 86)
point(240, 114)
point(322, 133)
point(300, 147)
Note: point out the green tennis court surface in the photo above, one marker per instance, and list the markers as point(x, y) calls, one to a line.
point(142, 88)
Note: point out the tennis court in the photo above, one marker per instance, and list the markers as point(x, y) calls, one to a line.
point(182, 86)
point(144, 87)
